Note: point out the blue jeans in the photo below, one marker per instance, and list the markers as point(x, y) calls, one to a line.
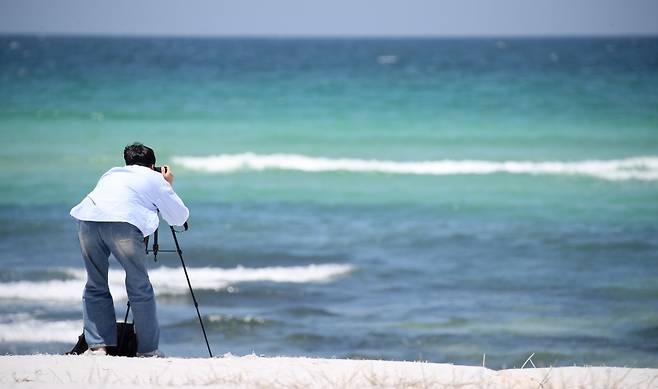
point(126, 243)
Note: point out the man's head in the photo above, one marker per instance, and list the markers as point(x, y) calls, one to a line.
point(138, 154)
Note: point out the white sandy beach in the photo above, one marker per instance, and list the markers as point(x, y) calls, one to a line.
point(55, 371)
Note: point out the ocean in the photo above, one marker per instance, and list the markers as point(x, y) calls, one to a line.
point(404, 199)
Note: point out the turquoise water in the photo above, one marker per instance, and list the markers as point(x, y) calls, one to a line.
point(419, 253)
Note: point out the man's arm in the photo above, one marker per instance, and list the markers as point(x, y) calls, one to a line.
point(170, 205)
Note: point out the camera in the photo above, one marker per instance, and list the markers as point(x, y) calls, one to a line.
point(159, 169)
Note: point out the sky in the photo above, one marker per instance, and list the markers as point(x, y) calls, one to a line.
point(331, 17)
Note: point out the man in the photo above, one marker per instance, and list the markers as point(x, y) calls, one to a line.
point(114, 218)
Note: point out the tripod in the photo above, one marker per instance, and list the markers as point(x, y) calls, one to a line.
point(156, 249)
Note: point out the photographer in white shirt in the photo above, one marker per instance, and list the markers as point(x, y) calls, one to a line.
point(114, 219)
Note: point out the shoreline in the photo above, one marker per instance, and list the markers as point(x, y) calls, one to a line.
point(251, 371)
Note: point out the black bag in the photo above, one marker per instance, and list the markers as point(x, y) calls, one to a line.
point(126, 341)
point(126, 345)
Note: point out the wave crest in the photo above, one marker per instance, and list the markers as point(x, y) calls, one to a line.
point(168, 280)
point(24, 328)
point(636, 168)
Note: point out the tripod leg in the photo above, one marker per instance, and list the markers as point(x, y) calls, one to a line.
point(156, 246)
point(196, 305)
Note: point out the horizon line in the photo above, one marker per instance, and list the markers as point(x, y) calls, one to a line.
point(326, 36)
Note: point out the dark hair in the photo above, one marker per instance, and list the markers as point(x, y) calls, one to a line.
point(138, 154)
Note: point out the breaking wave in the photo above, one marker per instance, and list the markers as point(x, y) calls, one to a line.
point(636, 168)
point(168, 280)
point(24, 328)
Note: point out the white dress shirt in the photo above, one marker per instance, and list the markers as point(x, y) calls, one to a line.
point(132, 194)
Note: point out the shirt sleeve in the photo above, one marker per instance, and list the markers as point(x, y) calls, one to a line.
point(171, 207)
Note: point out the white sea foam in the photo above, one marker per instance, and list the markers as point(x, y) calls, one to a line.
point(168, 280)
point(27, 329)
point(637, 168)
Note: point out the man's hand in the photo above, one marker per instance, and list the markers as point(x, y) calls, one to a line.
point(167, 174)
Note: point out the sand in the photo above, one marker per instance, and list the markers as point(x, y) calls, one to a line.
point(56, 371)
